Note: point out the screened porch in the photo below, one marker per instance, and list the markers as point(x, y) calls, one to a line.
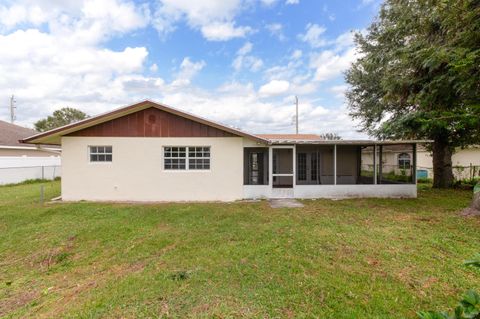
point(285, 166)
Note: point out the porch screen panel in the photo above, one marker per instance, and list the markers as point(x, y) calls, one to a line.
point(282, 162)
point(314, 165)
point(367, 170)
point(255, 166)
point(348, 164)
point(326, 165)
point(397, 164)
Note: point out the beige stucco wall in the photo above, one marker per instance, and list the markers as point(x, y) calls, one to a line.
point(461, 157)
point(136, 172)
point(461, 160)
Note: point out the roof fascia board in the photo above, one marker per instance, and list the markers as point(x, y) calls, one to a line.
point(29, 148)
point(348, 142)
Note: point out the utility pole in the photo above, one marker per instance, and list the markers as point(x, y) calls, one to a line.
point(12, 109)
point(296, 114)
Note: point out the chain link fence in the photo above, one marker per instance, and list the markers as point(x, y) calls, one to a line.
point(460, 173)
point(13, 175)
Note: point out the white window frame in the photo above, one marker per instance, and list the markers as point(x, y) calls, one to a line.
point(187, 159)
point(404, 159)
point(175, 157)
point(89, 153)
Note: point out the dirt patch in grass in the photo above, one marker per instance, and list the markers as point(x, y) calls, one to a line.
point(16, 301)
point(71, 290)
point(469, 211)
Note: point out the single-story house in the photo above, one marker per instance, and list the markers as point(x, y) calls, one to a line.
point(465, 162)
point(10, 134)
point(151, 152)
point(20, 162)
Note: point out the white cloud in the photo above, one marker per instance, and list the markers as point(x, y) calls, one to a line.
point(293, 70)
point(47, 72)
point(245, 49)
point(276, 30)
point(154, 67)
point(328, 64)
point(313, 35)
point(215, 19)
point(274, 88)
point(245, 61)
point(17, 14)
point(223, 31)
point(85, 21)
point(268, 2)
point(188, 70)
point(66, 65)
point(344, 40)
point(115, 15)
point(297, 54)
point(292, 1)
point(339, 90)
point(331, 63)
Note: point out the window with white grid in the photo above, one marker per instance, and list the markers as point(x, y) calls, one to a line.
point(199, 157)
point(177, 158)
point(100, 153)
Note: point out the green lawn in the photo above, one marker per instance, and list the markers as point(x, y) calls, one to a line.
point(361, 258)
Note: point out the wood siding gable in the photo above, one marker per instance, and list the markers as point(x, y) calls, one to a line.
point(152, 122)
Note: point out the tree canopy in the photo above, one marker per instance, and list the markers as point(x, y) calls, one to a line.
point(59, 118)
point(330, 136)
point(418, 76)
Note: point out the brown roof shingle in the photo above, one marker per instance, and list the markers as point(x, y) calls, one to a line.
point(11, 133)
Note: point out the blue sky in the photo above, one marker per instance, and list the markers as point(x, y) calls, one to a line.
point(240, 62)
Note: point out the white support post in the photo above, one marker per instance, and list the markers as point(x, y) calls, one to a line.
point(294, 171)
point(270, 167)
point(414, 169)
point(375, 164)
point(335, 164)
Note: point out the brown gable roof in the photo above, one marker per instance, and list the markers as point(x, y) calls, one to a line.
point(10, 134)
point(54, 136)
point(152, 122)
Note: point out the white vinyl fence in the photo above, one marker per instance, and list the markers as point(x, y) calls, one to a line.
point(19, 169)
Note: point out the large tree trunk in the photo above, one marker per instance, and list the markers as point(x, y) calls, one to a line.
point(474, 208)
point(442, 164)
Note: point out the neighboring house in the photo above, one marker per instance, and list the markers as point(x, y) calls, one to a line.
point(19, 162)
point(150, 152)
point(465, 162)
point(10, 136)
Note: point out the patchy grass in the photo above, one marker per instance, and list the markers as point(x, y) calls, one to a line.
point(362, 258)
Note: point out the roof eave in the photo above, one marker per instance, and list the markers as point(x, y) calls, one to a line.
point(349, 142)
